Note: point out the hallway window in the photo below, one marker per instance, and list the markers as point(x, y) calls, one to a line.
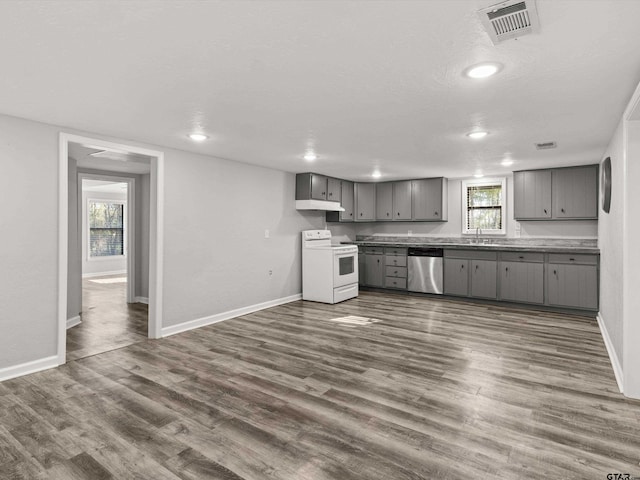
point(106, 229)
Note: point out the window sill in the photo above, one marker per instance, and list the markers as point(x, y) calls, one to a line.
point(106, 257)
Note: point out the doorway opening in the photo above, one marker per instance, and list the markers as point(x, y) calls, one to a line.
point(110, 246)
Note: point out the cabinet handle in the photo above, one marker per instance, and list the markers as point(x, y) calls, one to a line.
point(506, 269)
point(462, 266)
point(331, 194)
point(435, 213)
point(476, 267)
point(378, 260)
point(387, 214)
point(351, 214)
point(324, 193)
point(545, 210)
point(555, 273)
point(562, 210)
point(360, 213)
point(396, 272)
point(572, 259)
point(521, 257)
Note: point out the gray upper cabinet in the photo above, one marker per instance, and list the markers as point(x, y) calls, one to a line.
point(429, 199)
point(402, 200)
point(384, 201)
point(556, 194)
point(346, 201)
point(575, 192)
point(311, 186)
point(532, 195)
point(334, 189)
point(365, 195)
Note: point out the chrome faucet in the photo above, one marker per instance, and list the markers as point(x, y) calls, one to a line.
point(478, 233)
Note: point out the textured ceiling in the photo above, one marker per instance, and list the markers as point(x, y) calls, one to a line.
point(365, 84)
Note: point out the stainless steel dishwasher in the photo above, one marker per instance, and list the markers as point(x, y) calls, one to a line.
point(424, 270)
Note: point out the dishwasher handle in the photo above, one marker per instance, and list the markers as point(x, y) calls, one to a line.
point(425, 252)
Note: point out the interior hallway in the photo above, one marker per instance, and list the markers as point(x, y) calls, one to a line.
point(108, 321)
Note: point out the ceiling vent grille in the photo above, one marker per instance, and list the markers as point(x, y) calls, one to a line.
point(546, 145)
point(511, 19)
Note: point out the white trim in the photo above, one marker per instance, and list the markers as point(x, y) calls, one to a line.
point(201, 322)
point(484, 181)
point(73, 321)
point(144, 300)
point(617, 368)
point(28, 367)
point(104, 274)
point(155, 234)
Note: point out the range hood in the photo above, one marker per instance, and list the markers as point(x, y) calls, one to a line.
point(318, 205)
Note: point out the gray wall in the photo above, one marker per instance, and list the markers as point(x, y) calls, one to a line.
point(29, 253)
point(453, 228)
point(215, 255)
point(611, 241)
point(143, 196)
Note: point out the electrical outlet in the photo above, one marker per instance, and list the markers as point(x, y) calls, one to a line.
point(409, 233)
point(266, 234)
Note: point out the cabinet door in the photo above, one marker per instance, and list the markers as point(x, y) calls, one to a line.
point(573, 285)
point(575, 192)
point(346, 201)
point(427, 199)
point(484, 278)
point(318, 187)
point(402, 200)
point(384, 201)
point(362, 268)
point(374, 270)
point(532, 194)
point(456, 276)
point(334, 192)
point(522, 282)
point(365, 201)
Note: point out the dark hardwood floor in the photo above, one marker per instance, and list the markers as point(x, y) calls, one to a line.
point(427, 389)
point(108, 322)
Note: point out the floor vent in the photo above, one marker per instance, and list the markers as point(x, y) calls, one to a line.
point(546, 145)
point(511, 19)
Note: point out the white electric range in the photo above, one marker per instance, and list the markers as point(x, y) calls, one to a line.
point(329, 272)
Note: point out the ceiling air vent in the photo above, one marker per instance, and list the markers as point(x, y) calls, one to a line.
point(511, 19)
point(546, 145)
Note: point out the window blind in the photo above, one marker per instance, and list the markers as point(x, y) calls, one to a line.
point(484, 207)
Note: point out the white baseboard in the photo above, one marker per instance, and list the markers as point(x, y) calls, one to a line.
point(104, 274)
point(617, 368)
point(73, 321)
point(27, 368)
point(144, 300)
point(201, 322)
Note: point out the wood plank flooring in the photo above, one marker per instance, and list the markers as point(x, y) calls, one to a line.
point(436, 389)
point(108, 322)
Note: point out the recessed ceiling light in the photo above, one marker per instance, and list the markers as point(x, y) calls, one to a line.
point(482, 70)
point(478, 175)
point(376, 174)
point(506, 162)
point(198, 137)
point(310, 156)
point(477, 135)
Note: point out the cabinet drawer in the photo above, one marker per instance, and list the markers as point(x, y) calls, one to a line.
point(394, 282)
point(472, 254)
point(373, 250)
point(396, 260)
point(396, 272)
point(522, 257)
point(395, 251)
point(580, 259)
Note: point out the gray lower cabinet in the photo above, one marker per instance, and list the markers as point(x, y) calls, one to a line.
point(456, 276)
point(365, 197)
point(522, 282)
point(362, 269)
point(483, 279)
point(374, 268)
point(572, 281)
point(395, 268)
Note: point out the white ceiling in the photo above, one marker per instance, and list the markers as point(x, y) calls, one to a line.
point(365, 84)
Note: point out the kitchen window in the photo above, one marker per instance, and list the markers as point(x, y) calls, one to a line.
point(483, 205)
point(106, 228)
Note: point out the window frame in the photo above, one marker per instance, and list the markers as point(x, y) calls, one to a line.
point(482, 182)
point(125, 239)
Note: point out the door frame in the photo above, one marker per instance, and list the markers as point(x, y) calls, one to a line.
point(156, 229)
point(130, 222)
